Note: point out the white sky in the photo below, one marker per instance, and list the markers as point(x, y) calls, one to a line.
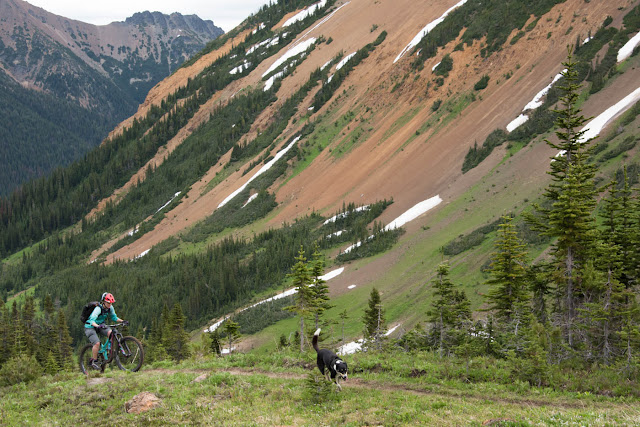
point(225, 14)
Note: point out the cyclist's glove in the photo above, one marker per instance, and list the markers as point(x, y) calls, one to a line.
point(125, 323)
point(102, 326)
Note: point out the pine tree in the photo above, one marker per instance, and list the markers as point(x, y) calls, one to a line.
point(29, 325)
point(343, 317)
point(176, 339)
point(319, 288)
point(571, 196)
point(374, 319)
point(451, 311)
point(5, 336)
point(231, 330)
point(215, 343)
point(304, 297)
point(508, 287)
point(64, 355)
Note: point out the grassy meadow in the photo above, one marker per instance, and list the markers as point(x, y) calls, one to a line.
point(285, 388)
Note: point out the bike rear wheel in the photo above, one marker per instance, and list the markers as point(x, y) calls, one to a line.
point(130, 354)
point(85, 354)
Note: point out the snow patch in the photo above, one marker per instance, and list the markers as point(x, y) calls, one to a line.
point(537, 100)
point(533, 104)
point(240, 68)
point(304, 13)
point(406, 217)
point(342, 215)
point(351, 286)
point(251, 198)
point(520, 120)
point(262, 170)
point(344, 61)
point(626, 50)
point(170, 200)
point(271, 80)
point(595, 126)
point(426, 30)
point(299, 48)
point(354, 346)
point(336, 234)
point(281, 295)
point(414, 212)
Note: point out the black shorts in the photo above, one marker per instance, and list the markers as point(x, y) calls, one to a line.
point(92, 334)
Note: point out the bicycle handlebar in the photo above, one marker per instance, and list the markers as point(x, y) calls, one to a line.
point(117, 325)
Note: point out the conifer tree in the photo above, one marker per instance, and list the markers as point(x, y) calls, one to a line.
point(64, 354)
point(48, 308)
point(343, 317)
point(304, 298)
point(5, 336)
point(374, 319)
point(319, 288)
point(231, 330)
point(508, 287)
point(451, 310)
point(571, 196)
point(215, 343)
point(621, 228)
point(176, 339)
point(29, 325)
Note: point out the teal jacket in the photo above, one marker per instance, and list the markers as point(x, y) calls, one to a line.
point(97, 316)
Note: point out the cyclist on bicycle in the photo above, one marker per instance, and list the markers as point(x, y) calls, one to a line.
point(95, 322)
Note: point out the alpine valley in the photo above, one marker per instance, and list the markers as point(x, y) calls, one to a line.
point(65, 84)
point(468, 170)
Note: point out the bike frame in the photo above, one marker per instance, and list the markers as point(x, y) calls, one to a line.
point(109, 347)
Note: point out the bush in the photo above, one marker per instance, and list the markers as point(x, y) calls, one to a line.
point(318, 390)
point(482, 83)
point(20, 369)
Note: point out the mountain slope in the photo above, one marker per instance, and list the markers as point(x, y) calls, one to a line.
point(104, 70)
point(286, 119)
point(370, 171)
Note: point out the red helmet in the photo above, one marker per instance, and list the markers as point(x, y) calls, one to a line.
point(107, 297)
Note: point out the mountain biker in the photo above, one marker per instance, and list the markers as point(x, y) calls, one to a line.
point(95, 323)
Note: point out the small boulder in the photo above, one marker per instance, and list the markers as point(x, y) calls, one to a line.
point(142, 402)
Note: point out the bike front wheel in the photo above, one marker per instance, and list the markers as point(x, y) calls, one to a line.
point(130, 354)
point(85, 356)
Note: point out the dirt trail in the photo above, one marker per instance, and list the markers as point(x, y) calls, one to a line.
point(416, 389)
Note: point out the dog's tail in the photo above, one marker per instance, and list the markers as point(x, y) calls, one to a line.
point(314, 341)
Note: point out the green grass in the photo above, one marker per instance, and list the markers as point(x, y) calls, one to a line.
point(400, 123)
point(251, 389)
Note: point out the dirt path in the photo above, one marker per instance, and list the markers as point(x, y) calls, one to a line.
point(417, 389)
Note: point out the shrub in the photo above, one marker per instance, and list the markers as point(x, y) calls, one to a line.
point(20, 369)
point(482, 83)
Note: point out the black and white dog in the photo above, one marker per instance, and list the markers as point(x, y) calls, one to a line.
point(335, 367)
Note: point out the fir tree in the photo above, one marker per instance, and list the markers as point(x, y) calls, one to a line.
point(176, 339)
point(450, 312)
point(571, 196)
point(343, 317)
point(231, 330)
point(215, 343)
point(374, 319)
point(319, 289)
point(508, 287)
point(304, 298)
point(64, 353)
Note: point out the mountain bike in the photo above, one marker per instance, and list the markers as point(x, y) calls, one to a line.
point(126, 351)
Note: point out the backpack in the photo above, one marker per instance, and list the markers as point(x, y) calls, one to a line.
point(87, 310)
